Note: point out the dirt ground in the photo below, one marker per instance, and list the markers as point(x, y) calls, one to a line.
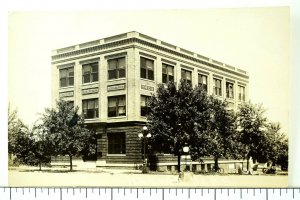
point(134, 178)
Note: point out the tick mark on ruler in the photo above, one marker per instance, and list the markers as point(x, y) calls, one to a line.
point(215, 195)
point(280, 191)
point(293, 193)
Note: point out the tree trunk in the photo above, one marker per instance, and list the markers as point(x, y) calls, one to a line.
point(248, 158)
point(40, 166)
point(178, 162)
point(216, 164)
point(71, 164)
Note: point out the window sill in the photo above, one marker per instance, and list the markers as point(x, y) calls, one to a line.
point(67, 87)
point(149, 80)
point(115, 155)
point(116, 79)
point(92, 83)
point(117, 117)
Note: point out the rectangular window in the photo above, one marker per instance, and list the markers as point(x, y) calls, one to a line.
point(90, 72)
point(144, 105)
point(116, 68)
point(241, 93)
point(186, 75)
point(217, 87)
point(147, 68)
point(202, 81)
point(116, 143)
point(117, 106)
point(167, 73)
point(90, 108)
point(229, 90)
point(66, 77)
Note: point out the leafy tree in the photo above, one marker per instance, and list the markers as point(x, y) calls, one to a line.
point(221, 138)
point(24, 144)
point(277, 145)
point(66, 131)
point(252, 126)
point(30, 149)
point(173, 115)
point(15, 128)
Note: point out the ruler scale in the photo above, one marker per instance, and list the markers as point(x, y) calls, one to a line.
point(11, 193)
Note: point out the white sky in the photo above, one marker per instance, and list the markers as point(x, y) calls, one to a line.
point(254, 39)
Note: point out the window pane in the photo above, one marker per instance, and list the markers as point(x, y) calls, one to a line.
point(91, 104)
point(143, 63)
point(183, 74)
point(143, 73)
point(121, 62)
point(149, 64)
point(71, 71)
point(171, 78)
point(116, 143)
point(112, 64)
point(188, 75)
point(112, 74)
point(95, 67)
point(95, 77)
point(86, 78)
point(143, 101)
point(164, 78)
point(170, 70)
point(150, 75)
point(63, 82)
point(112, 112)
point(63, 73)
point(122, 111)
point(112, 102)
point(86, 69)
point(71, 81)
point(121, 73)
point(164, 69)
point(121, 101)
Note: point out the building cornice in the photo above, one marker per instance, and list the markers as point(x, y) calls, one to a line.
point(182, 53)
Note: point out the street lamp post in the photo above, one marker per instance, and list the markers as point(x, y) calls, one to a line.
point(186, 149)
point(144, 135)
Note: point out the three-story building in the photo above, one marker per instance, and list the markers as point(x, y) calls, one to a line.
point(110, 80)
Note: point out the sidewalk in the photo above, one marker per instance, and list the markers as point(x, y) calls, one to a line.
point(134, 178)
